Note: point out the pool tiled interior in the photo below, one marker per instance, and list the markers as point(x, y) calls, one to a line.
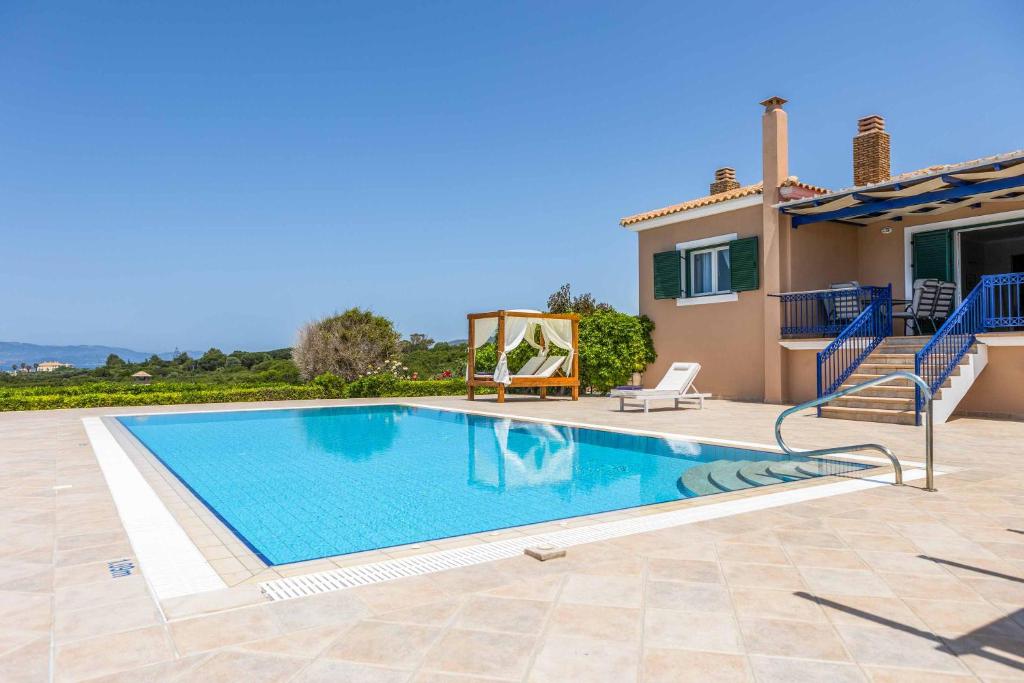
point(887, 584)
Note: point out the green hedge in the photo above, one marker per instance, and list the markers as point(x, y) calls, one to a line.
point(103, 394)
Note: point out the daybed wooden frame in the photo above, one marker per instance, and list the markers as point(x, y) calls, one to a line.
point(572, 381)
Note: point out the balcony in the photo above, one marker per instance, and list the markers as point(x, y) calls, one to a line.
point(824, 312)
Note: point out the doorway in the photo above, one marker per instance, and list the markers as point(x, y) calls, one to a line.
point(989, 251)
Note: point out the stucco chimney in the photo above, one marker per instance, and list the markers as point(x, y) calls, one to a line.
point(774, 245)
point(870, 151)
point(725, 180)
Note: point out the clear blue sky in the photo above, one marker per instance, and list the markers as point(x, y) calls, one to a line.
point(196, 174)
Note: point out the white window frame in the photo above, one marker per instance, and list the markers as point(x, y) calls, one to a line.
point(711, 243)
point(716, 289)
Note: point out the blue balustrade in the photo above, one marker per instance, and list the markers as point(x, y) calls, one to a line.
point(994, 303)
point(856, 340)
point(824, 313)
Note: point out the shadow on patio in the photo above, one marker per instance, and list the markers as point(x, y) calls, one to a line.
point(998, 641)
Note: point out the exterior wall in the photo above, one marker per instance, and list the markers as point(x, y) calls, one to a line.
point(727, 338)
point(822, 253)
point(999, 389)
point(801, 375)
point(881, 257)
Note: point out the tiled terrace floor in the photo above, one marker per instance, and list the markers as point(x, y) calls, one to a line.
point(891, 584)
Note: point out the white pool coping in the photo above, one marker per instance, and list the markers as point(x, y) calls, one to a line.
point(174, 566)
point(171, 562)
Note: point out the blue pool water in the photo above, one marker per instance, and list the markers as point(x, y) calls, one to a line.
point(302, 484)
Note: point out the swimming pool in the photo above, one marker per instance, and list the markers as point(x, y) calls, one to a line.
point(308, 483)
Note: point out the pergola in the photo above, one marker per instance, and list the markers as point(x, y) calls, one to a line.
point(510, 329)
point(932, 192)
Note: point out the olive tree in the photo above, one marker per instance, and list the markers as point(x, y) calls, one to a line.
point(350, 345)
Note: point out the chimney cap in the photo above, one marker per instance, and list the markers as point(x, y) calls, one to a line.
point(870, 124)
point(773, 102)
point(725, 173)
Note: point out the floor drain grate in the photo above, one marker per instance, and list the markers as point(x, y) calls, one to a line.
point(119, 568)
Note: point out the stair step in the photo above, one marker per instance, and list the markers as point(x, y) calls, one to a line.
point(884, 391)
point(787, 469)
point(724, 474)
point(696, 480)
point(859, 400)
point(906, 417)
point(884, 368)
point(890, 358)
point(757, 473)
point(858, 377)
point(817, 468)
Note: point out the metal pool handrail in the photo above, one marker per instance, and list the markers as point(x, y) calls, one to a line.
point(928, 441)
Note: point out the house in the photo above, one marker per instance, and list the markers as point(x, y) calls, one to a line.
point(51, 365)
point(142, 377)
point(785, 291)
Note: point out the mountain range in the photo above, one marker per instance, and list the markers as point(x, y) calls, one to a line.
point(82, 356)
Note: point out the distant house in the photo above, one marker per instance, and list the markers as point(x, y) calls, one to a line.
point(51, 365)
point(142, 377)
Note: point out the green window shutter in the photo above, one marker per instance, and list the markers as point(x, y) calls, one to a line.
point(667, 275)
point(743, 264)
point(933, 255)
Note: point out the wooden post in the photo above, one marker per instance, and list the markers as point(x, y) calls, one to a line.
point(500, 348)
point(576, 358)
point(471, 360)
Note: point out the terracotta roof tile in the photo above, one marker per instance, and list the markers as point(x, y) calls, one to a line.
point(708, 200)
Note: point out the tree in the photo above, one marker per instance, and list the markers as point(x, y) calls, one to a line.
point(115, 361)
point(349, 345)
point(212, 359)
point(417, 342)
point(562, 301)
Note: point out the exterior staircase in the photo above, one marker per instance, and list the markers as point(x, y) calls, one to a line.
point(894, 402)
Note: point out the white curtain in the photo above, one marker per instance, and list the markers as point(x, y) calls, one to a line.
point(515, 332)
point(559, 332)
point(483, 330)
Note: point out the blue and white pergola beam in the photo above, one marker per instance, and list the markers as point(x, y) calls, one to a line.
point(959, 189)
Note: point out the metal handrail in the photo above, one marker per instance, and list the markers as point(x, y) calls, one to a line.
point(928, 441)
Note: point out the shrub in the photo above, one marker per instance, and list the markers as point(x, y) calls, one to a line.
point(349, 345)
point(613, 346)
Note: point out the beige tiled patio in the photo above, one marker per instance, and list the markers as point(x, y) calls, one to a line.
point(889, 584)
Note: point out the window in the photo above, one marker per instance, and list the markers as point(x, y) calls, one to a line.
point(709, 271)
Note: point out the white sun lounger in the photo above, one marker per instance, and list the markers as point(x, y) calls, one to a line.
point(677, 384)
point(548, 367)
point(531, 366)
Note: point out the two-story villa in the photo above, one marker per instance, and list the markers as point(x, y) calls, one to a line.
point(784, 291)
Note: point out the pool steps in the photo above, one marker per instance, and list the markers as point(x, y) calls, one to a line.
point(720, 476)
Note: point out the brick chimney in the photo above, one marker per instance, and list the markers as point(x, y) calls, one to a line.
point(870, 151)
point(725, 180)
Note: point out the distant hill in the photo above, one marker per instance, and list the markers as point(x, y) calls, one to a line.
point(16, 353)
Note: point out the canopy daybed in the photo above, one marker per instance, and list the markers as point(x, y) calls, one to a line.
point(539, 330)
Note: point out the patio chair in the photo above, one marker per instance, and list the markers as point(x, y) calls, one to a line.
point(677, 384)
point(922, 304)
point(844, 306)
point(945, 298)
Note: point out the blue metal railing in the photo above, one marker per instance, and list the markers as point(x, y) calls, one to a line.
point(823, 312)
point(1003, 300)
point(838, 360)
point(995, 302)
